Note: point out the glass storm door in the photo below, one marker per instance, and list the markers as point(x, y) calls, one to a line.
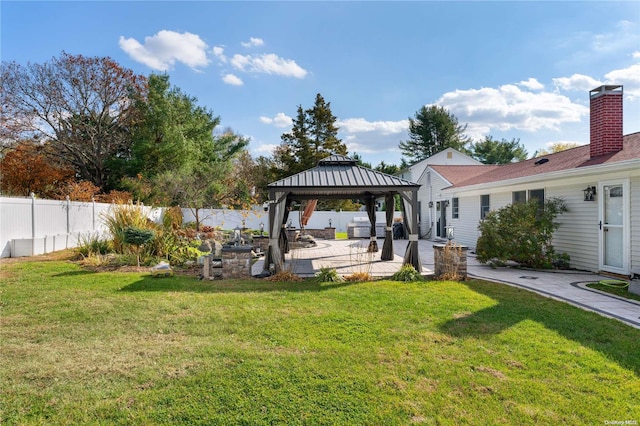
point(612, 228)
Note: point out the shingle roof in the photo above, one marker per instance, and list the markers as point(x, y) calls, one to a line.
point(574, 158)
point(338, 174)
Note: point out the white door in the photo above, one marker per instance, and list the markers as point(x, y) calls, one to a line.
point(614, 219)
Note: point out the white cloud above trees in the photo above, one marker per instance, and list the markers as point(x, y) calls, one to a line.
point(279, 120)
point(508, 107)
point(268, 63)
point(361, 125)
point(161, 51)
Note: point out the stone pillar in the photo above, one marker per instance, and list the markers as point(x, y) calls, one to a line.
point(450, 261)
point(236, 262)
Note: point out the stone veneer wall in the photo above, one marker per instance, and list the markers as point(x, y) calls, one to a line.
point(323, 234)
point(449, 260)
point(236, 262)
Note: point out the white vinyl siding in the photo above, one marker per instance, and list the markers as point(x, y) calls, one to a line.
point(635, 223)
point(466, 228)
point(578, 231)
point(429, 214)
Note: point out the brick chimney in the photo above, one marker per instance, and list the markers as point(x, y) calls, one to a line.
point(605, 120)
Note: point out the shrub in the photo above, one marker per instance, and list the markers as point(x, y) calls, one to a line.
point(137, 237)
point(93, 245)
point(122, 216)
point(407, 273)
point(521, 232)
point(329, 275)
point(172, 218)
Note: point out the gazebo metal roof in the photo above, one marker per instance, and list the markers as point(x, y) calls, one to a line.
point(340, 176)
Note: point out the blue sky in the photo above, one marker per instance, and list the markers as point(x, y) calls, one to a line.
point(507, 69)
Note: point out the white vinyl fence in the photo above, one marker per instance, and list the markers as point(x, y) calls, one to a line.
point(32, 226)
point(230, 219)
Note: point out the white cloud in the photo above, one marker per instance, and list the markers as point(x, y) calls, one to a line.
point(232, 80)
point(577, 82)
point(629, 77)
point(380, 138)
point(268, 64)
point(508, 107)
point(218, 51)
point(360, 125)
point(280, 120)
point(161, 51)
point(531, 84)
point(636, 54)
point(624, 37)
point(253, 41)
point(265, 148)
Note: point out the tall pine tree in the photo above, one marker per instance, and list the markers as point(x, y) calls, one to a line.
point(313, 136)
point(431, 130)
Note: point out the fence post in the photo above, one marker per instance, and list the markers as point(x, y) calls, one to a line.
point(93, 213)
point(33, 223)
point(68, 227)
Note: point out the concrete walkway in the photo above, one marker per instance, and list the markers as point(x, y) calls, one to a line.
point(350, 256)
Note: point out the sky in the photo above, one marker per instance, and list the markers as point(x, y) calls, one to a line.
point(510, 70)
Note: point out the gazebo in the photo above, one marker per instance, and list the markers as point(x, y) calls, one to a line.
point(340, 177)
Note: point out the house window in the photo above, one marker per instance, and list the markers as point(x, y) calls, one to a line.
point(537, 194)
point(523, 196)
point(519, 197)
point(455, 213)
point(484, 206)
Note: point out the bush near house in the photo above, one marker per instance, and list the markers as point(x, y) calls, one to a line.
point(521, 232)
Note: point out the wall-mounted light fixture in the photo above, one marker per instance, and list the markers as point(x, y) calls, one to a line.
point(449, 232)
point(589, 193)
point(430, 204)
point(329, 223)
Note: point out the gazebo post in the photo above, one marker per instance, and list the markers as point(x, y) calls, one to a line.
point(410, 204)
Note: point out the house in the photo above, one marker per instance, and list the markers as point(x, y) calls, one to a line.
point(417, 173)
point(599, 182)
point(445, 157)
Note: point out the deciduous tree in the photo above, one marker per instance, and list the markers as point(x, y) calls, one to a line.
point(206, 182)
point(26, 168)
point(556, 147)
point(81, 105)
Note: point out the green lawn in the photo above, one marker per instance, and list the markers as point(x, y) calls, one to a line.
point(616, 290)
point(78, 347)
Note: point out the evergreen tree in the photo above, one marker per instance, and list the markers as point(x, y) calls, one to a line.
point(314, 136)
point(431, 130)
point(490, 151)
